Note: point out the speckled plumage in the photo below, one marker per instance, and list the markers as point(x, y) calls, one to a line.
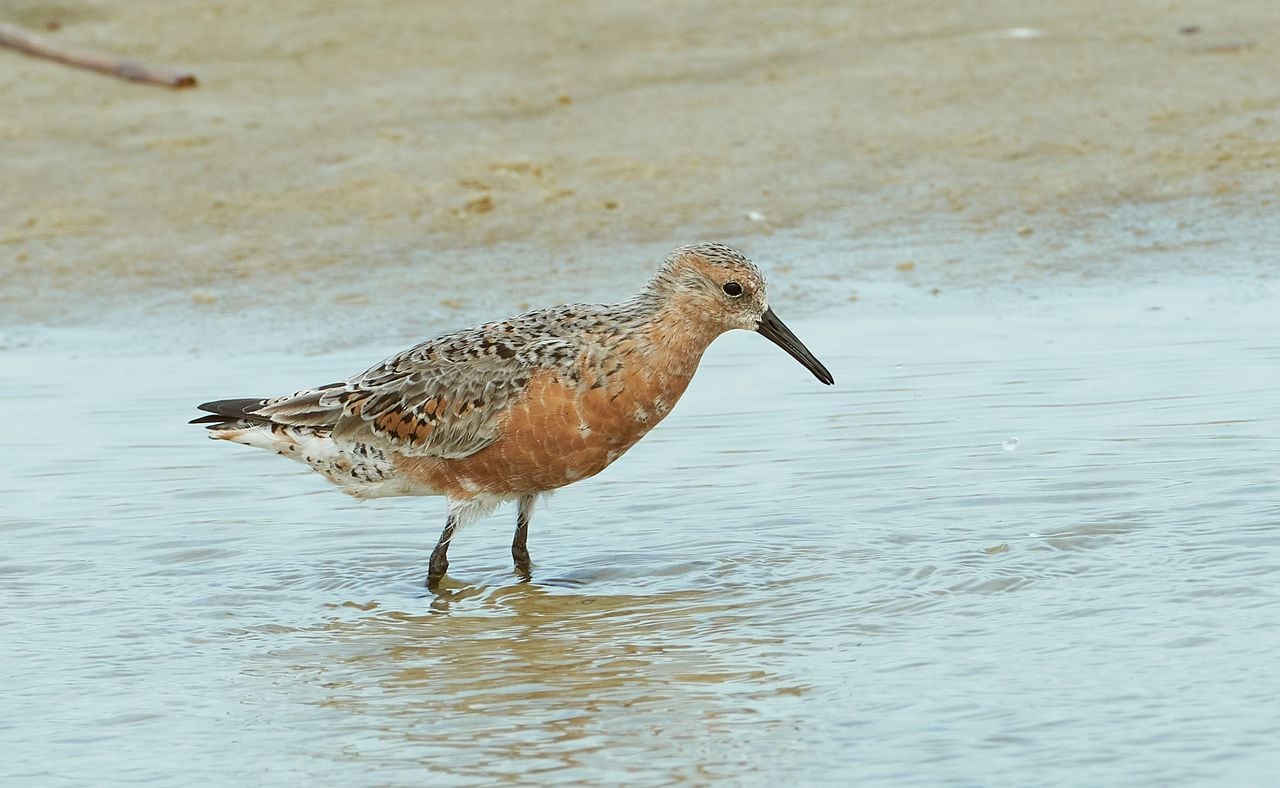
point(517, 407)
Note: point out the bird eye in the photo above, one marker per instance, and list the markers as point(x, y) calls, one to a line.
point(732, 288)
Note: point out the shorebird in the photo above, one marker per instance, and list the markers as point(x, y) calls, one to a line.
point(515, 408)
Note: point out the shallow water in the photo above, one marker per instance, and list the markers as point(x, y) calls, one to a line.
point(1019, 542)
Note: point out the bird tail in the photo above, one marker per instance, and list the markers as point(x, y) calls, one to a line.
point(223, 411)
point(307, 408)
point(357, 469)
point(238, 421)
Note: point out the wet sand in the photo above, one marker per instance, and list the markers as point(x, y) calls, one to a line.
point(330, 143)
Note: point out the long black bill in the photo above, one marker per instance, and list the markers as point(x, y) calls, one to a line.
point(780, 335)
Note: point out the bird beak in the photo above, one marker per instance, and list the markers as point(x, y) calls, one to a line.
point(778, 333)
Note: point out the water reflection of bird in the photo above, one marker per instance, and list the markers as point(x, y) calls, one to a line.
point(515, 408)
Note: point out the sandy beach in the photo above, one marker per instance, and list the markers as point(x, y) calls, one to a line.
point(469, 154)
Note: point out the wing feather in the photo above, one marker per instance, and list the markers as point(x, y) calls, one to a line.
point(442, 398)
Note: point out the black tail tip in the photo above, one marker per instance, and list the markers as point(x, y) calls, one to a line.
point(210, 420)
point(224, 411)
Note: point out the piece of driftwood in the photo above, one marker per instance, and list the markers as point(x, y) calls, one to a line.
point(31, 44)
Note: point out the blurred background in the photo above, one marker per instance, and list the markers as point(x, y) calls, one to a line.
point(332, 143)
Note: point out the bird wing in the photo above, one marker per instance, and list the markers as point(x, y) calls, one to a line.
point(442, 398)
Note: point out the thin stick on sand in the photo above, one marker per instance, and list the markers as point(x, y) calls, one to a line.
point(21, 40)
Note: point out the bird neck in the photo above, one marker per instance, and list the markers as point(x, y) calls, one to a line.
point(670, 332)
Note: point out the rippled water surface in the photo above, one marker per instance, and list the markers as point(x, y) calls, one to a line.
point(1017, 545)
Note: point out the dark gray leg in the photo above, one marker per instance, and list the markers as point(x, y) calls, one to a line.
point(519, 545)
point(440, 555)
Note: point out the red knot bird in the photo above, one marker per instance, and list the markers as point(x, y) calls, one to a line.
point(512, 409)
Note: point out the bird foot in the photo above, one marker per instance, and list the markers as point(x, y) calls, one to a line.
point(524, 568)
point(436, 573)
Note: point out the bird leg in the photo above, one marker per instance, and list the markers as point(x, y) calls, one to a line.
point(462, 512)
point(519, 545)
point(440, 555)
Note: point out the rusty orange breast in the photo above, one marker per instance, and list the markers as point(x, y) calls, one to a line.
point(559, 432)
